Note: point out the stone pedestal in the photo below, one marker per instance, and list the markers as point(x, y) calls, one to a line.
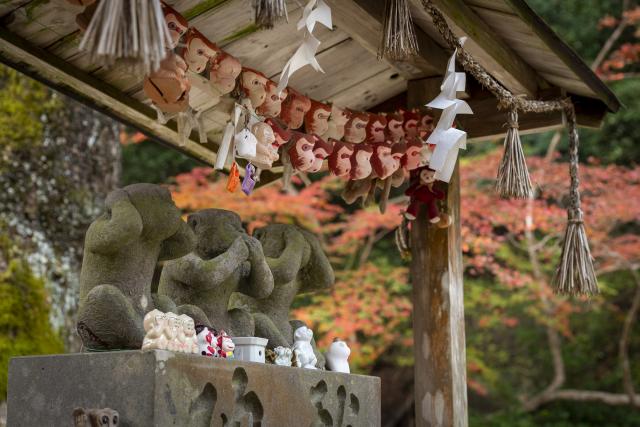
point(161, 388)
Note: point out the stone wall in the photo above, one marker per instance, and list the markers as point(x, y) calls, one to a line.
point(161, 388)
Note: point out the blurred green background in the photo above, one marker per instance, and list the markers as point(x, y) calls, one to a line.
point(533, 358)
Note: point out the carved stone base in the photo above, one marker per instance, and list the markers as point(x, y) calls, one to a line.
point(161, 388)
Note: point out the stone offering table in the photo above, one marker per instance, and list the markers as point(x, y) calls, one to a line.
point(160, 388)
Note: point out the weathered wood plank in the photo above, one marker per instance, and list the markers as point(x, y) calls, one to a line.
point(269, 50)
point(487, 48)
point(438, 318)
point(371, 92)
point(343, 64)
point(9, 6)
point(362, 20)
point(42, 23)
point(56, 73)
point(565, 53)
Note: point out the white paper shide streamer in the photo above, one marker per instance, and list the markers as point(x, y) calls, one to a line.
point(315, 11)
point(448, 140)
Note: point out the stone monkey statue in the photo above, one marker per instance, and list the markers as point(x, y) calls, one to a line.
point(225, 260)
point(140, 226)
point(299, 265)
point(106, 417)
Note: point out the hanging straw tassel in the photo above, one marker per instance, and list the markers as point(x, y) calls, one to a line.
point(513, 180)
point(267, 12)
point(131, 30)
point(575, 274)
point(399, 37)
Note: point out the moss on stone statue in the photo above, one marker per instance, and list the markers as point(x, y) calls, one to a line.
point(24, 313)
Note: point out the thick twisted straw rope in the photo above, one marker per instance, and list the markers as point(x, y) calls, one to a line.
point(575, 273)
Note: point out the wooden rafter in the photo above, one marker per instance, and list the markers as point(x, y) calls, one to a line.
point(488, 48)
point(362, 20)
point(58, 74)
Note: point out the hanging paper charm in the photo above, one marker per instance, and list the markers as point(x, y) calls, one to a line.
point(314, 11)
point(448, 140)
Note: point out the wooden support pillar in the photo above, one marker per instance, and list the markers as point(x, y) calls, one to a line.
point(440, 385)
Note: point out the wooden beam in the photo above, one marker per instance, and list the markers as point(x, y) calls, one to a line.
point(440, 384)
point(438, 318)
point(488, 121)
point(489, 49)
point(59, 75)
point(362, 20)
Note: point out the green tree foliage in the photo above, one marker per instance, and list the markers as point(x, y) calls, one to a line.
point(150, 162)
point(24, 313)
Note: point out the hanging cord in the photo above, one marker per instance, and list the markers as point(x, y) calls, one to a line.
point(575, 274)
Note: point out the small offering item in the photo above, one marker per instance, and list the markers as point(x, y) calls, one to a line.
point(338, 357)
point(283, 356)
point(168, 331)
point(305, 357)
point(250, 349)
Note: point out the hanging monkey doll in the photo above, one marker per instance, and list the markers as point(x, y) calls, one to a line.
point(422, 191)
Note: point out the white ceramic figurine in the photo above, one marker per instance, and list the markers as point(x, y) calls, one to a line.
point(338, 357)
point(305, 357)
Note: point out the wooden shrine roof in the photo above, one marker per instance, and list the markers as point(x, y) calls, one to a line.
point(41, 38)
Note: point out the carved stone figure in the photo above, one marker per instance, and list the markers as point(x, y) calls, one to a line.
point(272, 104)
point(224, 71)
point(294, 109)
point(225, 260)
point(305, 357)
point(140, 227)
point(321, 150)
point(338, 357)
point(299, 265)
point(340, 158)
point(254, 86)
point(316, 121)
point(105, 417)
point(337, 121)
point(176, 23)
point(198, 51)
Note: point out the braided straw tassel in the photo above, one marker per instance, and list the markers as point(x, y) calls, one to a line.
point(399, 37)
point(513, 180)
point(575, 274)
point(130, 30)
point(267, 12)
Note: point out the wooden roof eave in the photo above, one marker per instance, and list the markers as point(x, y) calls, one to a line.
point(565, 53)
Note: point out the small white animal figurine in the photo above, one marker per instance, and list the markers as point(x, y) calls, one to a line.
point(305, 357)
point(154, 324)
point(206, 341)
point(188, 341)
point(283, 356)
point(338, 356)
point(172, 330)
